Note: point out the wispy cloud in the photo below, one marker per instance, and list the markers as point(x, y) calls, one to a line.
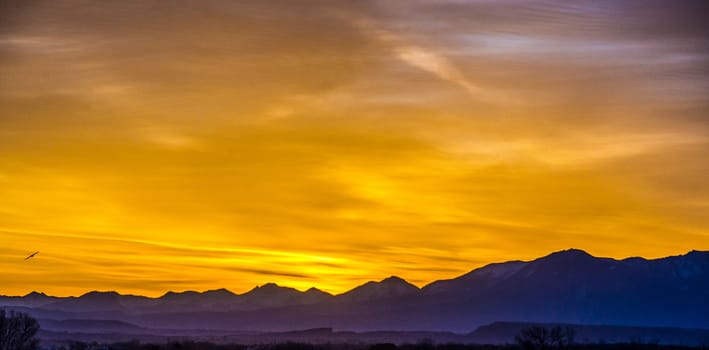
point(429, 60)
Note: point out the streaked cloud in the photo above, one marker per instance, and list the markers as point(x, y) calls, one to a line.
point(428, 60)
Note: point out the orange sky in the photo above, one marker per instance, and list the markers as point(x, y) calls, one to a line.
point(153, 146)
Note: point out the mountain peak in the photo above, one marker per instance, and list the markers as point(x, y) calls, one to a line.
point(571, 253)
point(185, 293)
point(315, 291)
point(394, 280)
point(272, 295)
point(270, 286)
point(99, 294)
point(270, 289)
point(35, 294)
point(219, 292)
point(390, 287)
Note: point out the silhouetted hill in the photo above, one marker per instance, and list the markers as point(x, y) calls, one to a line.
point(574, 287)
point(271, 295)
point(89, 302)
point(33, 299)
point(99, 303)
point(388, 288)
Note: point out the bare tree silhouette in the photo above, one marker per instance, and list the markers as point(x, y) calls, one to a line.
point(17, 331)
point(541, 338)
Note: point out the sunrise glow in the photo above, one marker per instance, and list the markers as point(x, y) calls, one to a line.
point(330, 144)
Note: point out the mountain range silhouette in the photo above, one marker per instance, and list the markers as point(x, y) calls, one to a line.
point(569, 286)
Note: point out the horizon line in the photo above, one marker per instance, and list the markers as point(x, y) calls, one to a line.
point(352, 288)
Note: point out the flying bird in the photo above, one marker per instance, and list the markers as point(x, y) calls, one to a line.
point(32, 255)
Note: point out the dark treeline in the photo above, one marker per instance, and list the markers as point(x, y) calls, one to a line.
point(191, 345)
point(17, 331)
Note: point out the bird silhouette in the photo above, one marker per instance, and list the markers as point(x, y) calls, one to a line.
point(32, 255)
